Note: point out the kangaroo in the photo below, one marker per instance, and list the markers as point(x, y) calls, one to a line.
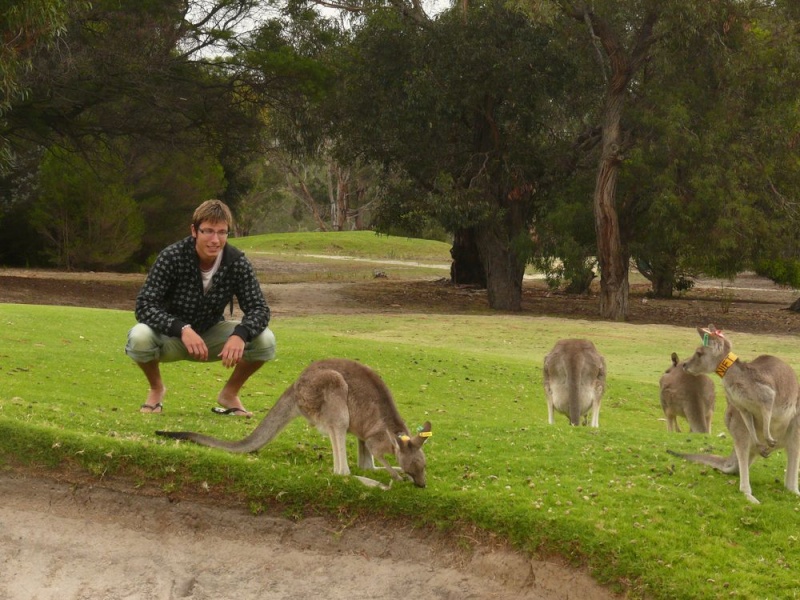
point(574, 381)
point(762, 414)
point(689, 396)
point(338, 396)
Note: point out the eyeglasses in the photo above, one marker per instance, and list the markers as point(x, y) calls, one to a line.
point(210, 233)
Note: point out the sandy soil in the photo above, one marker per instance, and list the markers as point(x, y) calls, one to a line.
point(70, 540)
point(62, 541)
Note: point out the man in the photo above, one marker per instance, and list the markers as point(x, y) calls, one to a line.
point(180, 311)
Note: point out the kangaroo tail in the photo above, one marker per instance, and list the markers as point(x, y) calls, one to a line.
point(725, 464)
point(277, 418)
point(575, 398)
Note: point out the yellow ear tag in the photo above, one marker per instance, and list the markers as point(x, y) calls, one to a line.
point(404, 438)
point(425, 434)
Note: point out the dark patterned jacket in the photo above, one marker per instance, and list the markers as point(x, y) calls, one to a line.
point(172, 295)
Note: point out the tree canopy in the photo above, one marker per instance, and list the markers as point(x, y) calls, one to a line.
point(661, 133)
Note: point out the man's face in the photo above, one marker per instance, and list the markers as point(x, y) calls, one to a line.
point(211, 238)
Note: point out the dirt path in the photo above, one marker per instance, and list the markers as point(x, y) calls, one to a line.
point(750, 304)
point(65, 542)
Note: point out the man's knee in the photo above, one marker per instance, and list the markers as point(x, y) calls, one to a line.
point(142, 344)
point(261, 347)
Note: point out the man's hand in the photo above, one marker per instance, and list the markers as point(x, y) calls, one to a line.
point(194, 344)
point(232, 351)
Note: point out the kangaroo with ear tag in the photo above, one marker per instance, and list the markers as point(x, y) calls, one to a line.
point(339, 396)
point(763, 408)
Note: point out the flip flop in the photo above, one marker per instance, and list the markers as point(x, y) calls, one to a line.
point(153, 408)
point(218, 410)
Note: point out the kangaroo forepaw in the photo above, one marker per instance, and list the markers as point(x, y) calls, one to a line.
point(764, 451)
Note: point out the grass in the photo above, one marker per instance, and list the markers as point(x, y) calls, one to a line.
point(644, 522)
point(347, 244)
point(611, 498)
point(347, 256)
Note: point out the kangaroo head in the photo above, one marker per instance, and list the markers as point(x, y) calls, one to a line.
point(707, 357)
point(410, 457)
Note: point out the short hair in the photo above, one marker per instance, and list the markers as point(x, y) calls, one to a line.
point(214, 211)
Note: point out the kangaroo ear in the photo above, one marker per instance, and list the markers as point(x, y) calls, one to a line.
point(674, 358)
point(710, 333)
point(423, 435)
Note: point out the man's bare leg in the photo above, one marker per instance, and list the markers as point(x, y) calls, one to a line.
point(155, 396)
point(229, 396)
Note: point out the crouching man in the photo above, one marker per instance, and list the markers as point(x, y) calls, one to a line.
point(181, 311)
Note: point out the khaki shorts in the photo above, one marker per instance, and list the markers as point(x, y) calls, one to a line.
point(146, 345)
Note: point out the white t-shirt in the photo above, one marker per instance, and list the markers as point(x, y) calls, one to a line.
point(207, 275)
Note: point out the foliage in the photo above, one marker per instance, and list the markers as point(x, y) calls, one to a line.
point(483, 120)
point(266, 206)
point(783, 272)
point(298, 53)
point(26, 28)
point(712, 205)
point(701, 125)
point(141, 78)
point(89, 218)
point(168, 184)
point(566, 240)
point(611, 498)
point(479, 93)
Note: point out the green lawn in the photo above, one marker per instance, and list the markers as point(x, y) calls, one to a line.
point(612, 498)
point(644, 522)
point(350, 244)
point(346, 256)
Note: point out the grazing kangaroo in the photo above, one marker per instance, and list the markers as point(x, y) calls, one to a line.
point(763, 399)
point(574, 381)
point(338, 396)
point(689, 396)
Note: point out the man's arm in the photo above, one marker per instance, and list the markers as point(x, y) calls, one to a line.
point(251, 301)
point(152, 299)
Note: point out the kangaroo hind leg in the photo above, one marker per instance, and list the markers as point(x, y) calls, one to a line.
point(322, 399)
point(766, 416)
point(792, 457)
point(336, 418)
point(365, 460)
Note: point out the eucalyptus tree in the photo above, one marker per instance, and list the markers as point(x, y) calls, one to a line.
point(620, 35)
point(712, 184)
point(27, 27)
point(767, 88)
point(158, 83)
point(656, 90)
point(468, 108)
point(129, 68)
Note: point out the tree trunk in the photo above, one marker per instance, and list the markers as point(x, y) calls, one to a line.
point(466, 268)
point(663, 287)
point(502, 264)
point(663, 281)
point(339, 190)
point(612, 257)
point(297, 185)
